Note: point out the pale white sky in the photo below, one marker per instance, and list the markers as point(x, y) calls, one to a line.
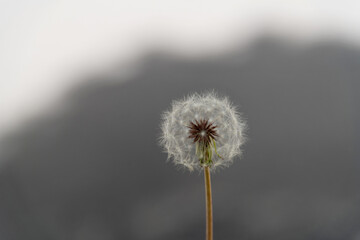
point(45, 45)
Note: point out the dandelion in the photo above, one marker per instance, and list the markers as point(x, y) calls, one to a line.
point(203, 131)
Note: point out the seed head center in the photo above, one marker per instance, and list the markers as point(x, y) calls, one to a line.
point(202, 131)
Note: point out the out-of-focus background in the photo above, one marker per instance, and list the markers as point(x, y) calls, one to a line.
point(83, 85)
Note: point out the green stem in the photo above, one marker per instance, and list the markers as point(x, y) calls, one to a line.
point(208, 197)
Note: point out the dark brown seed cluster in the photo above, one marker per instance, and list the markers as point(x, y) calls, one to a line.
point(202, 131)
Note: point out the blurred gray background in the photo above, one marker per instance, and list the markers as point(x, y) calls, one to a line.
point(90, 166)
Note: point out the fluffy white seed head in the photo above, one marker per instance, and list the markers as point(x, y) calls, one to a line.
point(219, 111)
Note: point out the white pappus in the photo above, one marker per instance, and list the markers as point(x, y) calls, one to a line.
point(202, 130)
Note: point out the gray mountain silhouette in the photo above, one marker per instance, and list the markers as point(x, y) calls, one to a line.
point(95, 170)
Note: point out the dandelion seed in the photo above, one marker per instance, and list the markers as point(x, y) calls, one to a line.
point(202, 126)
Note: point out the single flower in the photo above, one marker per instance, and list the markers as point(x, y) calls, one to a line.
point(202, 130)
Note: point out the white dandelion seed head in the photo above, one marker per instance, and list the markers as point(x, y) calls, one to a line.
point(218, 111)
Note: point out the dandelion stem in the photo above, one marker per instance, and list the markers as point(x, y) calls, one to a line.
point(208, 197)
